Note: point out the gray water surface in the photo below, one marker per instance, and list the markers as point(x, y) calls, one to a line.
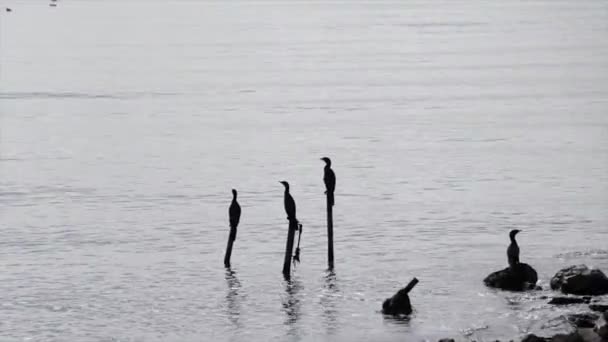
point(124, 125)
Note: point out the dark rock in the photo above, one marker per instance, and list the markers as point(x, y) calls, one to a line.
point(573, 337)
point(583, 320)
point(570, 300)
point(447, 340)
point(599, 307)
point(589, 335)
point(602, 330)
point(581, 335)
point(580, 280)
point(518, 278)
point(399, 304)
point(534, 338)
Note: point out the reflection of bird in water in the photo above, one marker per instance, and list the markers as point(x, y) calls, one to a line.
point(233, 302)
point(290, 204)
point(235, 214)
point(329, 177)
point(329, 299)
point(513, 249)
point(291, 303)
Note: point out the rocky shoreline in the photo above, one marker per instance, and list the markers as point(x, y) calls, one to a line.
point(586, 327)
point(579, 284)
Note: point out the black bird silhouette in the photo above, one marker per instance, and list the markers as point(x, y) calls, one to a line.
point(235, 214)
point(329, 177)
point(8, 9)
point(290, 204)
point(513, 249)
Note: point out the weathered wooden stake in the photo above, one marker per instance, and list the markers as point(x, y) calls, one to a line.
point(330, 233)
point(399, 304)
point(231, 239)
point(410, 286)
point(293, 226)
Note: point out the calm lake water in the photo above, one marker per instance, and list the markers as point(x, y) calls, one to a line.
point(124, 125)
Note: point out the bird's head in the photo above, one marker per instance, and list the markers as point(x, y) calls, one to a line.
point(326, 160)
point(234, 193)
point(285, 184)
point(513, 233)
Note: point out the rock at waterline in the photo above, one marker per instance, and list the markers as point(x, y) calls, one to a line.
point(601, 327)
point(602, 331)
point(534, 338)
point(580, 335)
point(580, 280)
point(573, 337)
point(599, 307)
point(569, 300)
point(520, 277)
point(399, 304)
point(588, 335)
point(583, 320)
point(447, 340)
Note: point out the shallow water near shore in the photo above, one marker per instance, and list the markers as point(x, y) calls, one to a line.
point(124, 125)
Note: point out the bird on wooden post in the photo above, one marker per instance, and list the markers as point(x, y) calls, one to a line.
point(329, 178)
point(290, 210)
point(234, 216)
point(289, 203)
point(235, 211)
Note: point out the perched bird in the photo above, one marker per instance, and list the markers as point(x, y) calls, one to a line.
point(234, 213)
point(290, 204)
point(513, 249)
point(329, 177)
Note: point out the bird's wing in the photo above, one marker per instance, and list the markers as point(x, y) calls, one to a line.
point(332, 177)
point(235, 214)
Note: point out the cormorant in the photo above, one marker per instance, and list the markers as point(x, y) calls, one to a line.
point(513, 250)
point(329, 177)
point(290, 204)
point(234, 212)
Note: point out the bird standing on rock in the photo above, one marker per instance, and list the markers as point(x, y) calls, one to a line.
point(290, 204)
point(513, 249)
point(329, 177)
point(235, 215)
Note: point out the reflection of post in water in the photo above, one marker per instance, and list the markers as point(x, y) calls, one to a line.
point(233, 301)
point(329, 299)
point(291, 302)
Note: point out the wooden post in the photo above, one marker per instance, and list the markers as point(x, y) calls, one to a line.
point(410, 286)
point(231, 239)
point(293, 226)
point(330, 233)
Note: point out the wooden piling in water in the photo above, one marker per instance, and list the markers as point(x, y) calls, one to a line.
point(330, 233)
point(291, 233)
point(411, 285)
point(228, 254)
